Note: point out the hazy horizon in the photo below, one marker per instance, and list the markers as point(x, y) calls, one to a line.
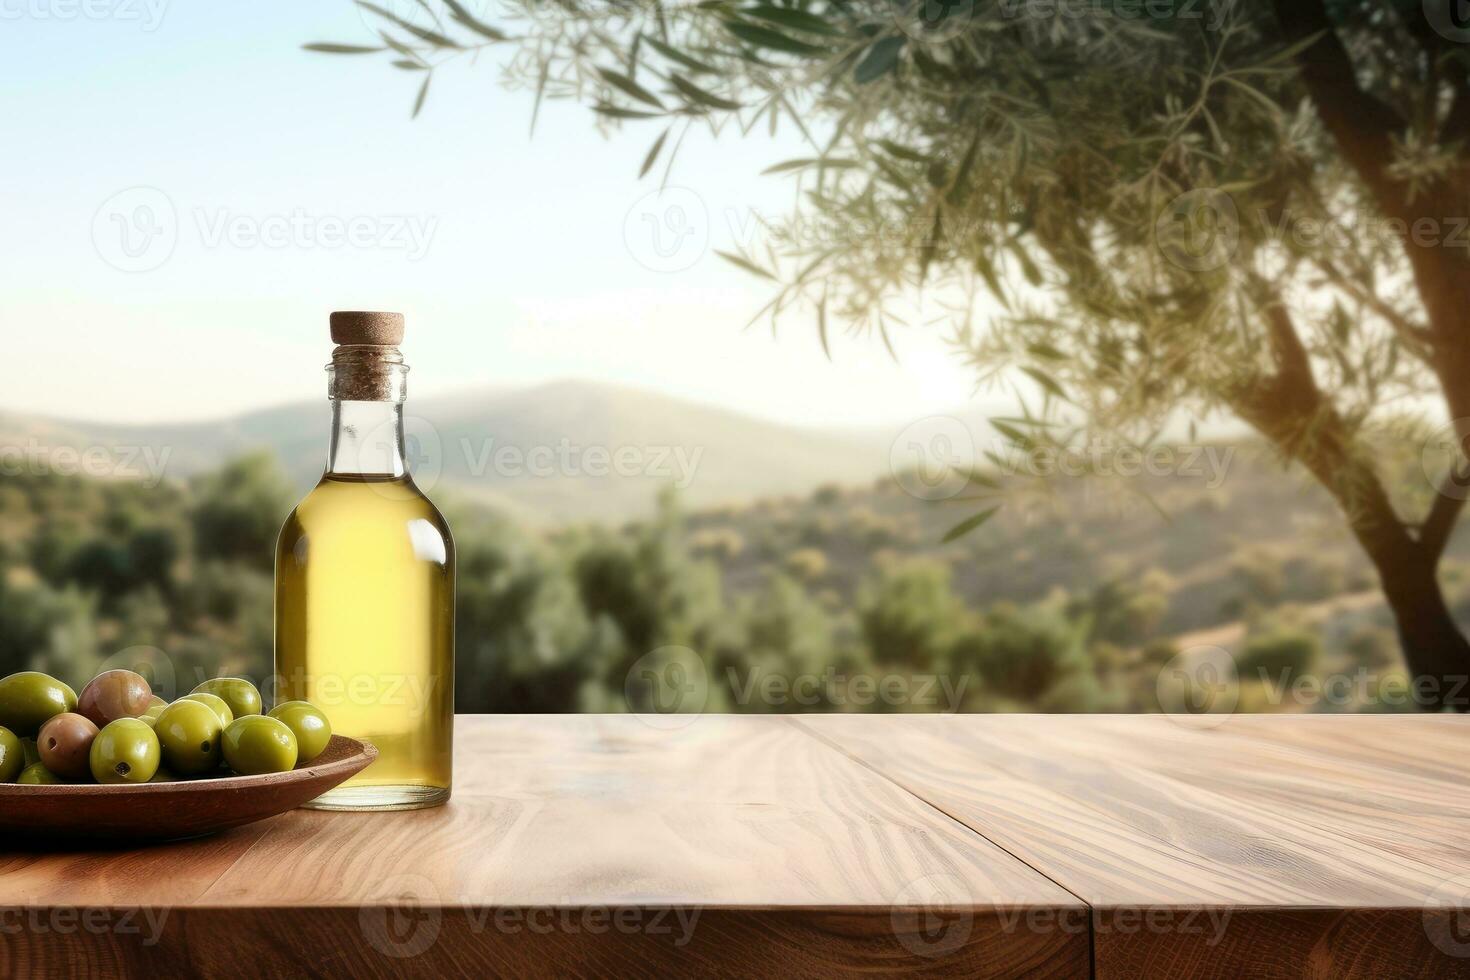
point(973, 410)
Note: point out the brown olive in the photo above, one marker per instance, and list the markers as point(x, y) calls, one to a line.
point(65, 745)
point(114, 694)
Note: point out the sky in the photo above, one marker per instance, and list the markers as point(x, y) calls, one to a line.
point(187, 194)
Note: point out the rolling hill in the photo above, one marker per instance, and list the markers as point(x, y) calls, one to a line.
point(568, 450)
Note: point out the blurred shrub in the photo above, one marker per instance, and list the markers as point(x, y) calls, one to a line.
point(1260, 575)
point(1375, 647)
point(1277, 653)
point(827, 495)
point(807, 564)
point(239, 510)
point(1021, 653)
point(909, 615)
point(721, 544)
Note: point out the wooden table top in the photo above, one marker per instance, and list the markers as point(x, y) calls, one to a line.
point(999, 845)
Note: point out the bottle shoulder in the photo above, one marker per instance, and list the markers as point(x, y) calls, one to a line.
point(364, 509)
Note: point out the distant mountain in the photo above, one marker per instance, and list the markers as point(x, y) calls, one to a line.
point(570, 450)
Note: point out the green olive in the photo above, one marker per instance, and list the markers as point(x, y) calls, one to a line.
point(115, 694)
point(12, 756)
point(308, 724)
point(65, 744)
point(216, 704)
point(189, 736)
point(33, 754)
point(126, 751)
point(150, 717)
point(258, 744)
point(29, 698)
point(163, 776)
point(38, 775)
point(237, 692)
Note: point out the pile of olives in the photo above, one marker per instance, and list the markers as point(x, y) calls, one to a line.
point(119, 732)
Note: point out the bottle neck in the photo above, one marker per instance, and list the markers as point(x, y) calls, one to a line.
point(367, 440)
point(367, 386)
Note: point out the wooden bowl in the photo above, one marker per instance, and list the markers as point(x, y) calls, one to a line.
point(169, 811)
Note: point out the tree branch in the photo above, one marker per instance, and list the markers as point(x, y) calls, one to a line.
point(1361, 125)
point(1444, 60)
point(1435, 532)
point(1363, 129)
point(1289, 409)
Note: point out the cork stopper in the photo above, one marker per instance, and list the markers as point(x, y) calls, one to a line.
point(364, 328)
point(366, 365)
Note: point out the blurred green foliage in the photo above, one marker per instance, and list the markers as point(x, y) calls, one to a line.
point(1281, 653)
point(842, 601)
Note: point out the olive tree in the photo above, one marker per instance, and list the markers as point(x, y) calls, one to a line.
point(1153, 208)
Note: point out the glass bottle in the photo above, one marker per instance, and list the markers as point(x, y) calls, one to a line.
point(365, 585)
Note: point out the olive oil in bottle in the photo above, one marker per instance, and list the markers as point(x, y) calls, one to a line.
point(365, 586)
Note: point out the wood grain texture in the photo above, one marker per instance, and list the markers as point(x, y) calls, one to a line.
point(987, 845)
point(1266, 846)
point(794, 857)
point(343, 942)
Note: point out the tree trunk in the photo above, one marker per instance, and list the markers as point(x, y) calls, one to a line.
point(1290, 410)
point(1437, 653)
